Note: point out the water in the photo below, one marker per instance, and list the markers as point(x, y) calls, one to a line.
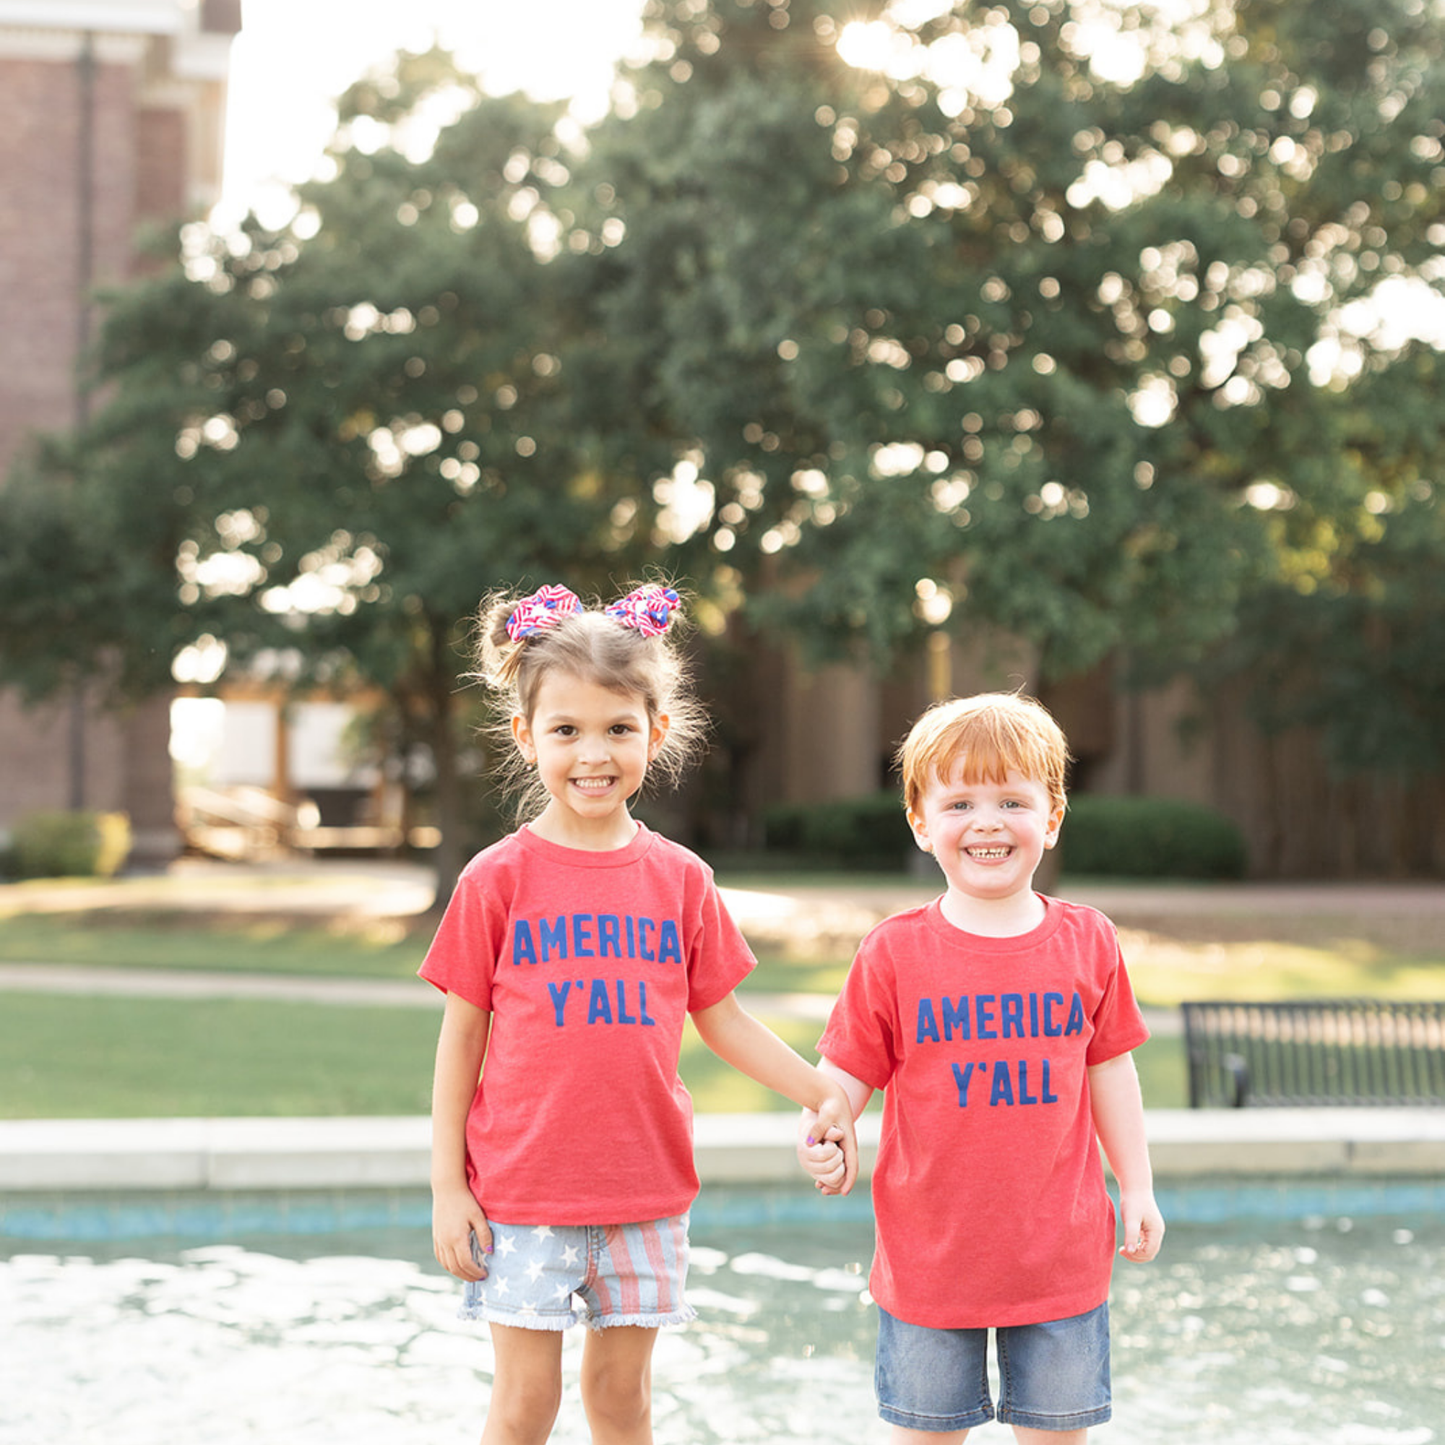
point(1286, 1324)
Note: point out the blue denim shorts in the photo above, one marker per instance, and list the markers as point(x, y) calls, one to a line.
point(1052, 1376)
point(550, 1277)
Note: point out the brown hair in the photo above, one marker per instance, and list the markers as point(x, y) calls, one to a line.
point(997, 733)
point(590, 645)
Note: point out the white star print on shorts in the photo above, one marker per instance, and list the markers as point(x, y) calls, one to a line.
point(549, 1277)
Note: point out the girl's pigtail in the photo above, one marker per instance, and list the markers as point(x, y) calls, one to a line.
point(510, 621)
point(498, 653)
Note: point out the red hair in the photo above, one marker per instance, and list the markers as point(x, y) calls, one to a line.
point(996, 733)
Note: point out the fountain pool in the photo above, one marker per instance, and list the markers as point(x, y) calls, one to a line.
point(1296, 1315)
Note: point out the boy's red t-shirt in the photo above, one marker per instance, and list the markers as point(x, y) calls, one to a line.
point(588, 963)
point(988, 1192)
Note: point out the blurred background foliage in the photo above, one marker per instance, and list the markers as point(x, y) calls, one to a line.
point(1109, 319)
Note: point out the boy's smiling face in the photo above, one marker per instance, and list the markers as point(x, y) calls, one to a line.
point(988, 837)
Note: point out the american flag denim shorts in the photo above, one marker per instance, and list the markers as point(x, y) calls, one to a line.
point(550, 1277)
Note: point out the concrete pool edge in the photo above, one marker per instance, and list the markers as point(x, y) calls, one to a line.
point(81, 1155)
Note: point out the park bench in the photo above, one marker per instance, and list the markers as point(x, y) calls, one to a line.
point(1323, 1052)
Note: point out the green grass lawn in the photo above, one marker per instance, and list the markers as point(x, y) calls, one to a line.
point(1166, 971)
point(221, 944)
point(106, 1057)
point(112, 1058)
point(76, 1056)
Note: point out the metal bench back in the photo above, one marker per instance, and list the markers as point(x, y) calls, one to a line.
point(1333, 1051)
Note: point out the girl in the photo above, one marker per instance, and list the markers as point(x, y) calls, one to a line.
point(569, 955)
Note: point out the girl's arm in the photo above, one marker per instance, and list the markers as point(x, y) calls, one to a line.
point(456, 1215)
point(752, 1048)
point(1119, 1122)
point(818, 1149)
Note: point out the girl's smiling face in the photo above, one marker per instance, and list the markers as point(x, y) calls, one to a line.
point(988, 837)
point(591, 747)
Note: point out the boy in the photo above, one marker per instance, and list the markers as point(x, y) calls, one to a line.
point(1000, 1023)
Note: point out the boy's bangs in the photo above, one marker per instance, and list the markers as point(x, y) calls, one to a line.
point(991, 736)
point(988, 753)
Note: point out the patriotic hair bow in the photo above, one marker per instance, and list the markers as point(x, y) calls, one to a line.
point(545, 608)
point(648, 609)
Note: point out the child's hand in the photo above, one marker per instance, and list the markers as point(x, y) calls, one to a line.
point(820, 1155)
point(834, 1127)
point(827, 1145)
point(456, 1220)
point(1143, 1227)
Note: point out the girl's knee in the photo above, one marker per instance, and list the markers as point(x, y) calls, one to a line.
point(526, 1384)
point(523, 1406)
point(522, 1410)
point(617, 1394)
point(621, 1397)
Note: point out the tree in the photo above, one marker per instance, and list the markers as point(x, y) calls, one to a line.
point(339, 436)
point(1051, 320)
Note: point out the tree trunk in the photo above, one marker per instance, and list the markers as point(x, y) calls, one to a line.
point(441, 712)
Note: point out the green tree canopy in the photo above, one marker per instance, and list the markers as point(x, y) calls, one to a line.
point(1066, 318)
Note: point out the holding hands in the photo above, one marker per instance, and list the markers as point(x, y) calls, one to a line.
point(827, 1142)
point(828, 1147)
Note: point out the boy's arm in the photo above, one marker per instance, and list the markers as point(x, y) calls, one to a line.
point(1118, 1110)
point(456, 1215)
point(752, 1048)
point(819, 1150)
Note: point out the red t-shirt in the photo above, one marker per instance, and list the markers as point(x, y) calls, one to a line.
point(588, 964)
point(988, 1192)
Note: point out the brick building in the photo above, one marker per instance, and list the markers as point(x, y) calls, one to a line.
point(111, 120)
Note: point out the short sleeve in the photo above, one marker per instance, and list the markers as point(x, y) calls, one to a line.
point(464, 953)
point(1118, 1022)
point(861, 1032)
point(719, 957)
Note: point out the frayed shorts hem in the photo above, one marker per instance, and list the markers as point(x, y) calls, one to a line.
point(556, 1323)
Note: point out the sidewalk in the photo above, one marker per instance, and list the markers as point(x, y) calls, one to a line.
point(305, 887)
point(381, 888)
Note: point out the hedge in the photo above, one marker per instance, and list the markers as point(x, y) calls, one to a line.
point(866, 832)
point(1135, 837)
point(1118, 837)
point(69, 845)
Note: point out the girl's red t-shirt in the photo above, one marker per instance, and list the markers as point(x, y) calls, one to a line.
point(588, 963)
point(988, 1192)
